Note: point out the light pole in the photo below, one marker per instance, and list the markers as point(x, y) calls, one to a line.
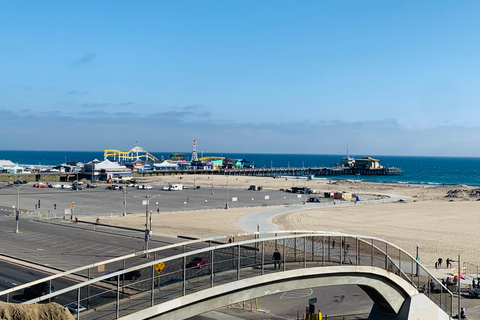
point(212, 182)
point(125, 199)
point(226, 200)
point(17, 211)
point(146, 203)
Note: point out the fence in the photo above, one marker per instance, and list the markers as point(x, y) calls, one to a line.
point(125, 285)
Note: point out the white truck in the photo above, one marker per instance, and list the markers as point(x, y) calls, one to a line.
point(176, 187)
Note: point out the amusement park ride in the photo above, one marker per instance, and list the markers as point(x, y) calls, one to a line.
point(133, 155)
point(140, 154)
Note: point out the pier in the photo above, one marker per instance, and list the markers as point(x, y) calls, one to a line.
point(279, 172)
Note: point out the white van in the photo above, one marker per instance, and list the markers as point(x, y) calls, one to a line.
point(176, 187)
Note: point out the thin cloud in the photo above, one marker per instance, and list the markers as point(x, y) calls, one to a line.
point(77, 93)
point(85, 59)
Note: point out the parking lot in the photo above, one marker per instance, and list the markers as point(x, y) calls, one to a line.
point(102, 201)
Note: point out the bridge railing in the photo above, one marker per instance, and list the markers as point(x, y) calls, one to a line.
point(146, 278)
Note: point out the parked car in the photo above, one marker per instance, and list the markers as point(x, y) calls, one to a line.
point(66, 186)
point(56, 186)
point(197, 262)
point(40, 185)
point(147, 187)
point(131, 275)
point(38, 290)
point(74, 308)
point(18, 181)
point(77, 187)
point(91, 185)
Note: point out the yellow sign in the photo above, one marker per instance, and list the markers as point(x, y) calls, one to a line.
point(73, 207)
point(159, 267)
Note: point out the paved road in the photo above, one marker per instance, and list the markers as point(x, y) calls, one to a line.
point(100, 201)
point(264, 218)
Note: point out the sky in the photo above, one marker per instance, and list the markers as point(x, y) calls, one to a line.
point(295, 77)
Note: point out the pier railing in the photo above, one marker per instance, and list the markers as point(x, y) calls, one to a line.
point(125, 285)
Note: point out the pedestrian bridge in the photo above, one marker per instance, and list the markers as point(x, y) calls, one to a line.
point(237, 268)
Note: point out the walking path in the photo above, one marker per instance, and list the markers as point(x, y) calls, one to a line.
point(263, 219)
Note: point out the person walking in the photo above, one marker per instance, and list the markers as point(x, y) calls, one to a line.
point(432, 286)
point(440, 262)
point(277, 258)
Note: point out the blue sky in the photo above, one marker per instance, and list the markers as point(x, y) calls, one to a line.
point(309, 77)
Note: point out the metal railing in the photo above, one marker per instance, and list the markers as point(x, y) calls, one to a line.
point(125, 285)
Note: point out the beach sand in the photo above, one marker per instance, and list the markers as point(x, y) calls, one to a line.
point(442, 220)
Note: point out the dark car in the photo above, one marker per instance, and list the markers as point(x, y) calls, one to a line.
point(197, 262)
point(38, 290)
point(91, 185)
point(131, 275)
point(77, 187)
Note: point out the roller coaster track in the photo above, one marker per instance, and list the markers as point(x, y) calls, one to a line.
point(136, 153)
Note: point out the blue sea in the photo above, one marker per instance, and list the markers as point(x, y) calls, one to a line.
point(417, 170)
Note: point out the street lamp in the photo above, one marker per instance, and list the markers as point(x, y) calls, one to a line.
point(17, 211)
point(125, 199)
point(226, 202)
point(146, 203)
point(212, 182)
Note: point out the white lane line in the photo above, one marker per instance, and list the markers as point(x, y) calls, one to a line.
point(295, 294)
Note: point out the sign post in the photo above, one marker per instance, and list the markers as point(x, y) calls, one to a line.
point(72, 208)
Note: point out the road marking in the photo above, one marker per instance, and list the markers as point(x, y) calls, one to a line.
point(298, 293)
point(219, 316)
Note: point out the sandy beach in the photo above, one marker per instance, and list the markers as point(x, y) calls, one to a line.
point(441, 219)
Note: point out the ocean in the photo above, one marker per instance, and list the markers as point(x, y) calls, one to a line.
point(417, 170)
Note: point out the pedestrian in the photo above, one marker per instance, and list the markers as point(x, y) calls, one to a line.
point(432, 286)
point(436, 265)
point(54, 206)
point(440, 262)
point(333, 244)
point(76, 219)
point(158, 210)
point(36, 206)
point(277, 258)
point(448, 262)
point(462, 313)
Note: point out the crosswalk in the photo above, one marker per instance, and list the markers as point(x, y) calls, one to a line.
point(296, 294)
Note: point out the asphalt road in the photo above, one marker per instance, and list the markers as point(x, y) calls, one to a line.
point(60, 245)
point(332, 302)
point(100, 201)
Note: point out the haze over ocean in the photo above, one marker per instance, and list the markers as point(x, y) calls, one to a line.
point(417, 170)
